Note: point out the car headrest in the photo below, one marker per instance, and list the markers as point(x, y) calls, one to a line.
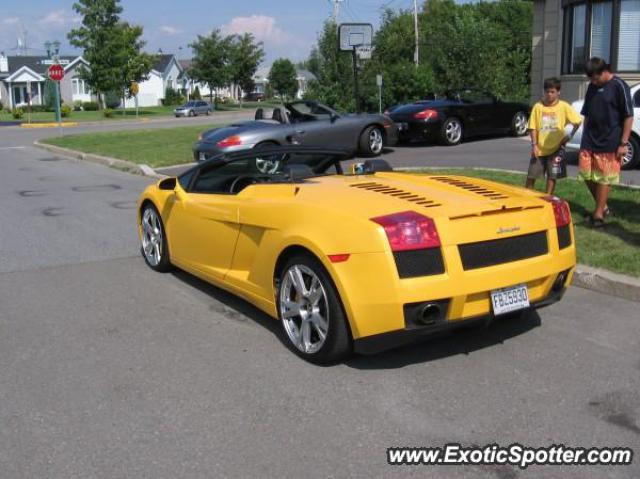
point(371, 166)
point(259, 114)
point(277, 115)
point(298, 172)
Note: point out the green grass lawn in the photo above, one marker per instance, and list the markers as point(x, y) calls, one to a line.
point(84, 116)
point(156, 147)
point(615, 247)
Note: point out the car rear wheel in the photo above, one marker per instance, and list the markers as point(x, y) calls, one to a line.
point(153, 240)
point(632, 158)
point(519, 124)
point(371, 141)
point(192, 113)
point(311, 313)
point(451, 132)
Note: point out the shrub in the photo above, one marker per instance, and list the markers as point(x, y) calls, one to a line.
point(196, 94)
point(17, 113)
point(112, 100)
point(77, 105)
point(39, 108)
point(108, 113)
point(90, 106)
point(172, 97)
point(65, 111)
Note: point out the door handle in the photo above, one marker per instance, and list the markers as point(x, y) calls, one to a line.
point(300, 132)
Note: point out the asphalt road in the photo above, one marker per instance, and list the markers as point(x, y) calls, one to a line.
point(109, 370)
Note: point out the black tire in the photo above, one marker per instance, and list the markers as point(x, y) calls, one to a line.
point(337, 344)
point(367, 146)
point(634, 160)
point(208, 113)
point(447, 137)
point(519, 124)
point(192, 113)
point(164, 265)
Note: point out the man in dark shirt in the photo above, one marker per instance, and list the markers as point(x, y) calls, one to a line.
point(608, 117)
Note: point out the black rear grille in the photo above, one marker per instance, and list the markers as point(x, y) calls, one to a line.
point(420, 262)
point(564, 237)
point(506, 250)
point(471, 187)
point(396, 193)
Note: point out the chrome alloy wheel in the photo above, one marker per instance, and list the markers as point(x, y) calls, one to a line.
point(520, 124)
point(453, 131)
point(629, 156)
point(304, 308)
point(151, 236)
point(375, 141)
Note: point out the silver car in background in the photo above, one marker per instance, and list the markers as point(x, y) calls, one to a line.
point(193, 108)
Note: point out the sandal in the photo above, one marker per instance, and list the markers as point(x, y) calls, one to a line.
point(596, 222)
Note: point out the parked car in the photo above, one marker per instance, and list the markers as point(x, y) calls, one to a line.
point(303, 122)
point(459, 114)
point(254, 96)
point(193, 108)
point(632, 160)
point(360, 262)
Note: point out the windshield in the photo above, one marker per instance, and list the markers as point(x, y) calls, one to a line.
point(309, 111)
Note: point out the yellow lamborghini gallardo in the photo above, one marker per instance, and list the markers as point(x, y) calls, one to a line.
point(362, 260)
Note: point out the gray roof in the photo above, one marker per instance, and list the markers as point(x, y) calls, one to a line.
point(162, 62)
point(35, 63)
point(306, 74)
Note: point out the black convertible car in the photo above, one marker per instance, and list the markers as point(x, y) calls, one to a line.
point(457, 115)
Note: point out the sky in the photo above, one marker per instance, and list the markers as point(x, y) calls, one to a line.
point(288, 28)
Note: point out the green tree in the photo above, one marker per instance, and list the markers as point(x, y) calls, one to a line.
point(99, 38)
point(135, 64)
point(245, 57)
point(211, 61)
point(282, 78)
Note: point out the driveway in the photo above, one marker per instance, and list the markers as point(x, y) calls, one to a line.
point(108, 369)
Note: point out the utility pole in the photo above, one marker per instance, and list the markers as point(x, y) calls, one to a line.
point(416, 53)
point(336, 10)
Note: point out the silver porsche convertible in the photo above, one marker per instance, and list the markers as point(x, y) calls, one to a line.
point(303, 122)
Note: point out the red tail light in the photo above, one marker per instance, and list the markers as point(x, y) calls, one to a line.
point(427, 114)
point(561, 210)
point(234, 140)
point(409, 231)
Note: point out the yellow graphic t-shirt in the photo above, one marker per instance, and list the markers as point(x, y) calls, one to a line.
point(550, 122)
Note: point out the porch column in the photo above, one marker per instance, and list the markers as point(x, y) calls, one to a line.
point(39, 94)
point(10, 95)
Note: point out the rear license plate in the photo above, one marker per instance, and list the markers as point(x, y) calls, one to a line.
point(402, 126)
point(510, 299)
point(202, 156)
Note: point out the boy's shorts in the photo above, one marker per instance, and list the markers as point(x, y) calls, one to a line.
point(603, 168)
point(542, 166)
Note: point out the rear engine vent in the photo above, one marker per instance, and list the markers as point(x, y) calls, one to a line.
point(504, 250)
point(397, 193)
point(479, 190)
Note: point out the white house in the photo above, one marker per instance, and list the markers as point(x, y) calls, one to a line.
point(166, 72)
point(22, 79)
point(303, 77)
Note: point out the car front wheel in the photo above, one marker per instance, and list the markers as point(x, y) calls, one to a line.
point(311, 313)
point(153, 240)
point(632, 158)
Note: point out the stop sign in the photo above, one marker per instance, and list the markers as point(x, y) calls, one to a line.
point(56, 72)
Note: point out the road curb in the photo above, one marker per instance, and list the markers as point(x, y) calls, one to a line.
point(607, 282)
point(66, 124)
point(122, 165)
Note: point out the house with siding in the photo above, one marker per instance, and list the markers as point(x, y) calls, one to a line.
point(566, 33)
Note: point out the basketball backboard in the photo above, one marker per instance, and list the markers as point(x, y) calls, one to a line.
point(353, 35)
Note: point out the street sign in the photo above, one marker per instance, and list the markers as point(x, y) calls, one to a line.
point(379, 80)
point(56, 72)
point(364, 52)
point(352, 35)
point(134, 88)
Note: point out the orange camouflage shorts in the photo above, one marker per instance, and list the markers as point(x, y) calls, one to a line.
point(603, 168)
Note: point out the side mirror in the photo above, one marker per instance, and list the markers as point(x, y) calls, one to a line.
point(168, 184)
point(334, 117)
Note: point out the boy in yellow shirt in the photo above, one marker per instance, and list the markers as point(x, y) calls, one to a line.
point(547, 123)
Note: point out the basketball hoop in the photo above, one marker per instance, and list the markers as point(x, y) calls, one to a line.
point(353, 35)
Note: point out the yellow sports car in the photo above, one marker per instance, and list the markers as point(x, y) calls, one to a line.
point(362, 261)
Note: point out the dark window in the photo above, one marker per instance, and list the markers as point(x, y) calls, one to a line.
point(476, 97)
point(185, 178)
point(608, 28)
point(636, 99)
point(217, 178)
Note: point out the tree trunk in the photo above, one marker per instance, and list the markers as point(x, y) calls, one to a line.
point(213, 106)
